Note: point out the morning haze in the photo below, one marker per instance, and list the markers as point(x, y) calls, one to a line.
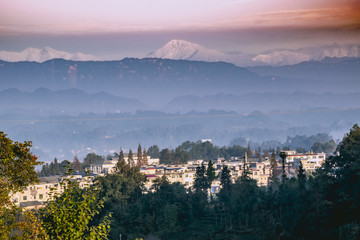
point(206, 119)
point(159, 61)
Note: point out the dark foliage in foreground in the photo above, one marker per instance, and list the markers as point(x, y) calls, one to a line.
point(323, 206)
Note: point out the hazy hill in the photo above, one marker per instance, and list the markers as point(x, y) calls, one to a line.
point(333, 70)
point(289, 101)
point(69, 101)
point(156, 81)
point(147, 79)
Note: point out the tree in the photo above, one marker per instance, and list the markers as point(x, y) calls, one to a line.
point(181, 156)
point(139, 156)
point(145, 157)
point(92, 158)
point(245, 175)
point(266, 154)
point(283, 156)
point(249, 152)
point(154, 151)
point(17, 171)
point(70, 215)
point(201, 183)
point(131, 161)
point(274, 174)
point(210, 173)
point(122, 191)
point(121, 156)
point(167, 156)
point(76, 165)
point(64, 167)
point(56, 167)
point(45, 170)
point(344, 170)
point(225, 180)
point(301, 176)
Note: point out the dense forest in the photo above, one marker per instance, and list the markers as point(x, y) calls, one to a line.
point(325, 205)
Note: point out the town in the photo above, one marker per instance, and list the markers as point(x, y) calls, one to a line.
point(34, 196)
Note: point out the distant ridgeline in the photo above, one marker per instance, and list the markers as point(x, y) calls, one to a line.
point(130, 76)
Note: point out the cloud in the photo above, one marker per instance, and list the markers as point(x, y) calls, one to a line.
point(309, 17)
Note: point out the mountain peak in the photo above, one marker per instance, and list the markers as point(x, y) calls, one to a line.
point(42, 55)
point(177, 49)
point(184, 50)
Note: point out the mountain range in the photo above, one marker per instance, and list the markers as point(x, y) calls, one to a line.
point(42, 55)
point(73, 101)
point(156, 81)
point(185, 50)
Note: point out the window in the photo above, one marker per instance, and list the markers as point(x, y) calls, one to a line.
point(24, 198)
point(34, 196)
point(41, 196)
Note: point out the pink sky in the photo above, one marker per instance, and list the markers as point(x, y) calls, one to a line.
point(39, 20)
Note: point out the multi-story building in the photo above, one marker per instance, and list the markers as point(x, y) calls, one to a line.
point(108, 167)
point(34, 196)
point(310, 161)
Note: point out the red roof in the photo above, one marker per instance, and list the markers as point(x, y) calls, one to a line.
point(151, 176)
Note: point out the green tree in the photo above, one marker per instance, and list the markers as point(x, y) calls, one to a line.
point(121, 156)
point(154, 151)
point(274, 174)
point(56, 167)
point(248, 151)
point(92, 158)
point(201, 183)
point(122, 192)
point(181, 156)
point(225, 181)
point(17, 171)
point(283, 156)
point(131, 161)
point(76, 165)
point(344, 170)
point(64, 167)
point(210, 173)
point(145, 157)
point(139, 156)
point(167, 156)
point(70, 215)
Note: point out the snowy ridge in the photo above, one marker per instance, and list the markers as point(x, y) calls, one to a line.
point(183, 50)
point(42, 55)
point(290, 57)
point(282, 57)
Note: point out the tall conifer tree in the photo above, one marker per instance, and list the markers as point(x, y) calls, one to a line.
point(139, 156)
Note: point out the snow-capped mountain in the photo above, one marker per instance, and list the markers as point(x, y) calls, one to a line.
point(337, 51)
point(281, 57)
point(42, 55)
point(183, 50)
point(290, 57)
